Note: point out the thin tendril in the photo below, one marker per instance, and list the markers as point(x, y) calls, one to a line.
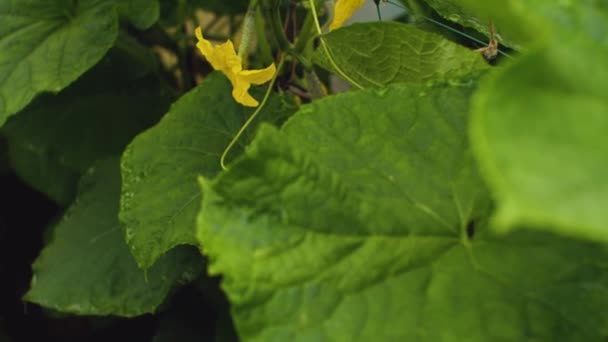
point(326, 48)
point(463, 34)
point(378, 10)
point(449, 28)
point(253, 116)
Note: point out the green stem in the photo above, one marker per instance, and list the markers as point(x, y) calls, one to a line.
point(276, 24)
point(182, 46)
point(305, 33)
point(415, 7)
point(326, 48)
point(182, 10)
point(253, 116)
point(264, 48)
point(305, 62)
point(377, 2)
point(248, 30)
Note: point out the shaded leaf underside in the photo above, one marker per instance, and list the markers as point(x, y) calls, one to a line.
point(56, 138)
point(86, 268)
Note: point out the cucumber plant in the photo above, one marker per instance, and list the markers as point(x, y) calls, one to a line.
point(265, 170)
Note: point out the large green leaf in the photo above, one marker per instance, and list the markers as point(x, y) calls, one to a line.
point(539, 132)
point(377, 54)
point(87, 269)
point(47, 44)
point(359, 224)
point(55, 139)
point(160, 196)
point(141, 13)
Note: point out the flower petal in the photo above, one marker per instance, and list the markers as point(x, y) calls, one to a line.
point(344, 9)
point(259, 76)
point(203, 44)
point(240, 92)
point(222, 57)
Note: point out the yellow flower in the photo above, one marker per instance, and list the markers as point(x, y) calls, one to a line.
point(344, 9)
point(223, 57)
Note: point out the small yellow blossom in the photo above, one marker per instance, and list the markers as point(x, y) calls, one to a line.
point(343, 10)
point(223, 57)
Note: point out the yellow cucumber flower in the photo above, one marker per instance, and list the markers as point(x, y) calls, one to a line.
point(223, 57)
point(343, 10)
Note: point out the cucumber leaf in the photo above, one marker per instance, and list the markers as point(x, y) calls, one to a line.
point(48, 44)
point(381, 53)
point(359, 224)
point(86, 268)
point(55, 139)
point(141, 13)
point(539, 132)
point(160, 196)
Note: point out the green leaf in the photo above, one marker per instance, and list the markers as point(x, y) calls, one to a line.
point(48, 44)
point(87, 269)
point(478, 15)
point(56, 139)
point(141, 13)
point(539, 132)
point(353, 224)
point(160, 196)
point(519, 24)
point(381, 53)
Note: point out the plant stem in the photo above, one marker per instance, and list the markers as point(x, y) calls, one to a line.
point(338, 70)
point(272, 13)
point(248, 30)
point(305, 33)
point(264, 48)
